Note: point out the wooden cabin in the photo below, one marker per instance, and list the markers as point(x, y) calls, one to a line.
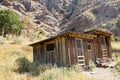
point(65, 49)
point(69, 48)
point(102, 43)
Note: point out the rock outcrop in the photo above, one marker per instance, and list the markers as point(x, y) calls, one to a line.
point(6, 3)
point(19, 7)
point(61, 14)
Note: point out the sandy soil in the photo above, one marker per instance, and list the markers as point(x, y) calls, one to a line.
point(102, 74)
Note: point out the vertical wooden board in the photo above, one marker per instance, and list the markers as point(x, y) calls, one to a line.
point(93, 49)
point(86, 56)
point(69, 51)
point(40, 59)
point(33, 53)
point(66, 48)
point(63, 51)
point(93, 46)
point(50, 57)
point(99, 47)
point(83, 47)
point(57, 54)
point(76, 52)
point(109, 47)
point(36, 54)
point(96, 46)
point(47, 55)
point(59, 51)
point(44, 54)
point(72, 49)
point(38, 50)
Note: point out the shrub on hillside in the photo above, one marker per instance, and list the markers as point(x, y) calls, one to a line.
point(22, 65)
point(10, 22)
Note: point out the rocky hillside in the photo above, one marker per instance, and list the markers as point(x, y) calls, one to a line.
point(55, 15)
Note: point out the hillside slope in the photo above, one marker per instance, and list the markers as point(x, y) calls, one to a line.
point(54, 15)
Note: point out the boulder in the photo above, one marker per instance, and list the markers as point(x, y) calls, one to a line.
point(6, 3)
point(28, 5)
point(19, 7)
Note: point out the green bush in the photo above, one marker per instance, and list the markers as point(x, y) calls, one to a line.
point(10, 22)
point(116, 56)
point(91, 65)
point(76, 68)
point(117, 39)
point(117, 66)
point(22, 65)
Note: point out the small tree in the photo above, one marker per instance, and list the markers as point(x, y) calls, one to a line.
point(10, 22)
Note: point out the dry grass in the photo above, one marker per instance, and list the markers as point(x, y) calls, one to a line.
point(116, 57)
point(10, 52)
point(115, 46)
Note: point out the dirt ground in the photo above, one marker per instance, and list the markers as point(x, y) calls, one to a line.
point(102, 74)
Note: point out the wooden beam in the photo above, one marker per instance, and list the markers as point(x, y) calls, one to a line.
point(81, 36)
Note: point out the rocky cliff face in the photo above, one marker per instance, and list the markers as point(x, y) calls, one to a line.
point(54, 15)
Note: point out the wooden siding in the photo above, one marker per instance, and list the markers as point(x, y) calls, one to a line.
point(66, 52)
